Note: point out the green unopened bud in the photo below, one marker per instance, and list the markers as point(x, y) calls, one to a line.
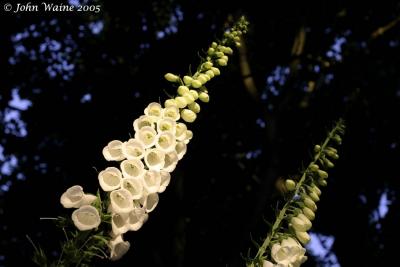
point(328, 163)
point(219, 54)
point(322, 174)
point(306, 221)
point(170, 102)
point(309, 213)
point(180, 101)
point(189, 98)
point(211, 51)
point(310, 203)
point(314, 167)
point(314, 196)
point(194, 94)
point(183, 90)
point(187, 80)
point(194, 107)
point(317, 148)
point(171, 77)
point(216, 71)
point(236, 39)
point(222, 62)
point(228, 51)
point(205, 76)
point(331, 154)
point(188, 115)
point(204, 97)
point(210, 73)
point(201, 79)
point(316, 190)
point(214, 45)
point(303, 237)
point(322, 182)
point(196, 84)
point(225, 58)
point(331, 148)
point(238, 44)
point(337, 138)
point(290, 184)
point(207, 65)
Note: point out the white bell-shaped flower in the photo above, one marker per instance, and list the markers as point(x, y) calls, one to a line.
point(143, 121)
point(288, 253)
point(136, 219)
point(133, 149)
point(110, 179)
point(74, 197)
point(121, 201)
point(152, 181)
point(180, 149)
point(166, 141)
point(134, 186)
point(86, 217)
point(154, 110)
point(132, 168)
point(165, 125)
point(172, 112)
point(180, 133)
point(118, 247)
point(154, 159)
point(150, 202)
point(113, 151)
point(147, 135)
point(171, 160)
point(119, 223)
point(165, 180)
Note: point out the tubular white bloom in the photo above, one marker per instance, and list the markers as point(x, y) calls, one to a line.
point(289, 252)
point(172, 112)
point(132, 168)
point(110, 179)
point(154, 159)
point(171, 160)
point(113, 151)
point(152, 181)
point(154, 110)
point(118, 247)
point(86, 217)
point(166, 141)
point(74, 197)
point(180, 133)
point(143, 121)
point(133, 149)
point(134, 186)
point(165, 125)
point(121, 201)
point(150, 202)
point(136, 219)
point(165, 180)
point(119, 223)
point(180, 149)
point(147, 135)
point(270, 264)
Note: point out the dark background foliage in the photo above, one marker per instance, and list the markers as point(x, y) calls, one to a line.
point(71, 82)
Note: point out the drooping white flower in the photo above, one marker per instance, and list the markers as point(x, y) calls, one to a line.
point(113, 151)
point(86, 217)
point(110, 179)
point(147, 135)
point(289, 252)
point(154, 110)
point(171, 160)
point(166, 125)
point(143, 121)
point(270, 264)
point(119, 223)
point(154, 159)
point(134, 186)
point(180, 149)
point(133, 149)
point(121, 201)
point(150, 202)
point(165, 180)
point(166, 141)
point(172, 112)
point(180, 133)
point(74, 197)
point(118, 247)
point(132, 168)
point(152, 181)
point(136, 219)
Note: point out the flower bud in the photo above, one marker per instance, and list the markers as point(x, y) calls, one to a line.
point(202, 78)
point(306, 221)
point(204, 97)
point(194, 107)
point(298, 224)
point(171, 77)
point(316, 190)
point(337, 138)
point(309, 213)
point(210, 73)
point(194, 94)
point(189, 98)
point(314, 167)
point(214, 45)
point(322, 174)
point(310, 203)
point(238, 44)
point(225, 58)
point(181, 101)
point(169, 103)
point(188, 115)
point(303, 237)
point(86, 217)
point(211, 51)
point(328, 163)
point(180, 132)
point(183, 90)
point(207, 65)
point(228, 51)
point(317, 148)
point(219, 54)
point(216, 71)
point(314, 196)
point(187, 80)
point(222, 62)
point(290, 184)
point(322, 182)
point(196, 84)
point(180, 149)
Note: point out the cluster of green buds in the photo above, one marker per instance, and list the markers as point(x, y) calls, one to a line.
point(289, 233)
point(192, 88)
